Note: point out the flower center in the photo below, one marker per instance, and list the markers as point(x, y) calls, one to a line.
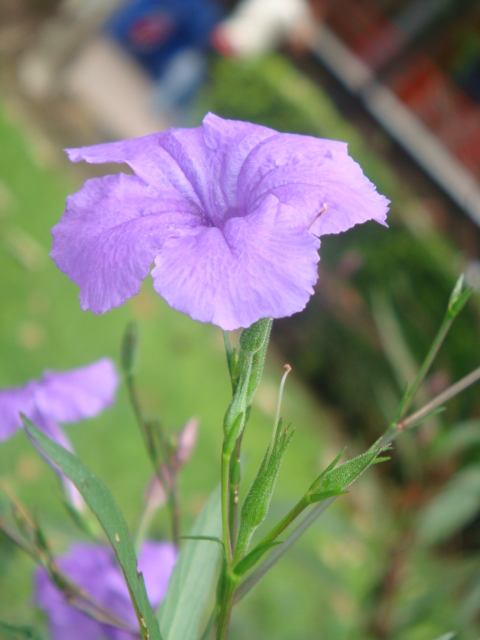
point(229, 213)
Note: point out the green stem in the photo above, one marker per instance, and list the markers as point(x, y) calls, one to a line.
point(286, 521)
point(411, 392)
point(439, 400)
point(427, 363)
point(234, 485)
point(230, 584)
point(225, 493)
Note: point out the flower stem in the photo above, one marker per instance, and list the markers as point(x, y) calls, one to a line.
point(228, 592)
point(234, 485)
point(439, 400)
point(411, 391)
point(286, 521)
point(225, 493)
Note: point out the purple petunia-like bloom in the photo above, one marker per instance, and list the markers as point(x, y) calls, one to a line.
point(94, 569)
point(227, 211)
point(60, 397)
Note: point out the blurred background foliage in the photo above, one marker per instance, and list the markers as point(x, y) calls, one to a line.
point(398, 557)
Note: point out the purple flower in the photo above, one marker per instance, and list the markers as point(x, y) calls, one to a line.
point(226, 211)
point(94, 569)
point(64, 397)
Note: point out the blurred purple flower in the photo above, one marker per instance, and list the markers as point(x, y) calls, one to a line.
point(68, 396)
point(94, 569)
point(227, 212)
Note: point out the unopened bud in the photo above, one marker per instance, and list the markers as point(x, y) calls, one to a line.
point(187, 439)
point(155, 494)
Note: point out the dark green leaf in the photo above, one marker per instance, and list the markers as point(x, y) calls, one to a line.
point(194, 577)
point(101, 502)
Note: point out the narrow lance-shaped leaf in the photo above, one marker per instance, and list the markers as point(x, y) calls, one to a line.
point(194, 576)
point(103, 505)
point(234, 420)
point(257, 501)
point(259, 361)
point(334, 480)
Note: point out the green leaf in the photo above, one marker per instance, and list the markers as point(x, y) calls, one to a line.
point(234, 420)
point(447, 636)
point(194, 577)
point(457, 306)
point(332, 465)
point(325, 495)
point(336, 480)
point(18, 633)
point(258, 363)
point(257, 501)
point(253, 557)
point(458, 297)
point(253, 338)
point(103, 505)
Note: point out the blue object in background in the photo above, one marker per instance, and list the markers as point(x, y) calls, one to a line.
point(155, 31)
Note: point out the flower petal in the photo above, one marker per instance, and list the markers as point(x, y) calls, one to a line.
point(72, 396)
point(64, 620)
point(156, 561)
point(94, 569)
point(201, 206)
point(150, 159)
point(229, 143)
point(261, 265)
point(12, 403)
point(110, 233)
point(308, 173)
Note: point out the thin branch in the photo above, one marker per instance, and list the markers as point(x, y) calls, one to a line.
point(439, 400)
